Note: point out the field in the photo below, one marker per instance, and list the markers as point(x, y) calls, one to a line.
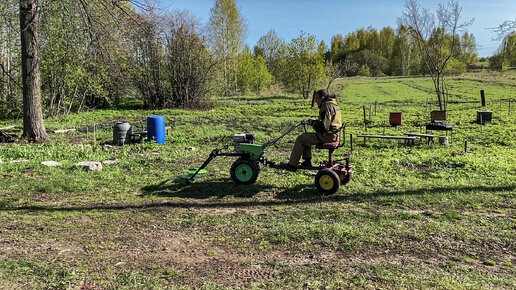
point(421, 216)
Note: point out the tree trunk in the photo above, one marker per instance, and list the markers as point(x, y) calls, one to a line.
point(33, 127)
point(438, 90)
point(504, 44)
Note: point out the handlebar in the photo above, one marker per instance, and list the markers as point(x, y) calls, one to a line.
point(277, 139)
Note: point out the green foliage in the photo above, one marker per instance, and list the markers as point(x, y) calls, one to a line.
point(226, 33)
point(376, 64)
point(364, 71)
point(496, 61)
point(304, 66)
point(10, 70)
point(468, 51)
point(454, 67)
point(189, 65)
point(252, 73)
point(510, 49)
point(78, 72)
point(274, 51)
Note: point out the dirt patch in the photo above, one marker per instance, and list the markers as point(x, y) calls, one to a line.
point(229, 211)
point(154, 241)
point(418, 167)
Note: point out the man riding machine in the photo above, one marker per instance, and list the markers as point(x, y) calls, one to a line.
point(329, 135)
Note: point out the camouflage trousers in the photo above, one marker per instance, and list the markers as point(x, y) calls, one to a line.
point(304, 143)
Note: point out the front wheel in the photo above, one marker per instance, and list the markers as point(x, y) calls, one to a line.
point(327, 181)
point(244, 171)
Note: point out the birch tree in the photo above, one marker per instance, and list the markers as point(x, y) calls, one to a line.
point(226, 31)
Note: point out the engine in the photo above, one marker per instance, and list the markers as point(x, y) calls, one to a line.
point(243, 138)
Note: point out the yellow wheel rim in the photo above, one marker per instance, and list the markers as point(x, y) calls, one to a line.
point(326, 182)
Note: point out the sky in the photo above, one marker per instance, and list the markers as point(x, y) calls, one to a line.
point(326, 18)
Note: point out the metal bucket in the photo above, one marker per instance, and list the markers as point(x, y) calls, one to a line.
point(121, 133)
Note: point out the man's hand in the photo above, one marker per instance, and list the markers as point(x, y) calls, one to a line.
point(311, 121)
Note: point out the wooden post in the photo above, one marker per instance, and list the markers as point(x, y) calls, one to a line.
point(483, 98)
point(351, 142)
point(509, 107)
point(466, 146)
point(365, 119)
point(370, 107)
point(375, 107)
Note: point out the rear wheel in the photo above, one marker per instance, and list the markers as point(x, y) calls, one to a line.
point(244, 171)
point(327, 181)
point(344, 176)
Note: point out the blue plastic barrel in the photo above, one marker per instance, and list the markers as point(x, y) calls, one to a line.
point(156, 129)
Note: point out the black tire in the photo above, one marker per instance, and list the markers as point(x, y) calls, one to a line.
point(244, 171)
point(327, 181)
point(345, 178)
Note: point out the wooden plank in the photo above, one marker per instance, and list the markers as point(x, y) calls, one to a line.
point(422, 135)
point(387, 137)
point(7, 128)
point(63, 131)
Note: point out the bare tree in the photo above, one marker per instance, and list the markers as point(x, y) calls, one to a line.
point(431, 33)
point(274, 48)
point(342, 69)
point(189, 64)
point(502, 30)
point(505, 28)
point(149, 41)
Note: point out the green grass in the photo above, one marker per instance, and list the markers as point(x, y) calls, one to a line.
point(423, 216)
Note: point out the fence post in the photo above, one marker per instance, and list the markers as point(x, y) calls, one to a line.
point(351, 142)
point(483, 97)
point(365, 118)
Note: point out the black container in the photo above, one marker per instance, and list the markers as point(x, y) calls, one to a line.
point(484, 117)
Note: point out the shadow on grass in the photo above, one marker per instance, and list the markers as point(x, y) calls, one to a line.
point(300, 194)
point(203, 190)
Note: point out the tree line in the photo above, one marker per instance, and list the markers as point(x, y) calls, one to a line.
point(97, 54)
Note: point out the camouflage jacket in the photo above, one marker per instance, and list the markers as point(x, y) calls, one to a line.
point(329, 122)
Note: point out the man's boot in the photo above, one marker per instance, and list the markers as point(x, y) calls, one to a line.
point(288, 167)
point(307, 162)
